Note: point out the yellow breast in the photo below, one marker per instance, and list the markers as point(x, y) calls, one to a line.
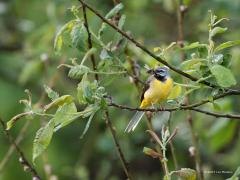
point(157, 92)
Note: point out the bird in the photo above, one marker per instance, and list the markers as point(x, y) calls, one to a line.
point(156, 90)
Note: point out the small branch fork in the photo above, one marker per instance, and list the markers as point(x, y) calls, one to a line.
point(107, 117)
point(26, 165)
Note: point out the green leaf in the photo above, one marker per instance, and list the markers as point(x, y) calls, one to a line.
point(121, 21)
point(53, 95)
point(87, 125)
point(186, 173)
point(89, 110)
point(79, 37)
point(227, 45)
point(190, 64)
point(77, 71)
point(114, 11)
point(59, 102)
point(109, 15)
point(193, 46)
point(85, 90)
point(42, 139)
point(223, 76)
point(58, 42)
point(217, 30)
point(175, 92)
point(151, 152)
point(65, 115)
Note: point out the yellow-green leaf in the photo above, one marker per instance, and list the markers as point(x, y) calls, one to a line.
point(12, 121)
point(59, 102)
point(227, 45)
point(58, 41)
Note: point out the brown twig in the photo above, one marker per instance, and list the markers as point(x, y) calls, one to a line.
point(107, 118)
point(26, 165)
point(117, 145)
point(89, 40)
point(233, 116)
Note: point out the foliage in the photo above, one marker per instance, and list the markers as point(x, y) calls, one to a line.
point(82, 99)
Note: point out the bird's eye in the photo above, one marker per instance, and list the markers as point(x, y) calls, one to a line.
point(160, 71)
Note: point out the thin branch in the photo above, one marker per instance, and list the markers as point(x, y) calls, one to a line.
point(217, 115)
point(174, 109)
point(11, 148)
point(117, 145)
point(89, 40)
point(27, 166)
point(107, 118)
point(219, 96)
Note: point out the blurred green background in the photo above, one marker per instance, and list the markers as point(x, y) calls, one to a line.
point(28, 61)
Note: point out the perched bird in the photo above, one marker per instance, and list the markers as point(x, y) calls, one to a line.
point(156, 90)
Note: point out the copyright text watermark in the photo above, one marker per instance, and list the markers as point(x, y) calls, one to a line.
point(218, 172)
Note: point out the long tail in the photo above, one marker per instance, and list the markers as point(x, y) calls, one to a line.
point(134, 121)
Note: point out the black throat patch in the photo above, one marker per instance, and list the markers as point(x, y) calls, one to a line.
point(161, 78)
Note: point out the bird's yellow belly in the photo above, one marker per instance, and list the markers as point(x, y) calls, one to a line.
point(157, 92)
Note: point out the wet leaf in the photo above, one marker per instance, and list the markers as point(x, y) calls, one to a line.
point(223, 76)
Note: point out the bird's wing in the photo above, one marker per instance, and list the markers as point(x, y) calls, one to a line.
point(146, 87)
